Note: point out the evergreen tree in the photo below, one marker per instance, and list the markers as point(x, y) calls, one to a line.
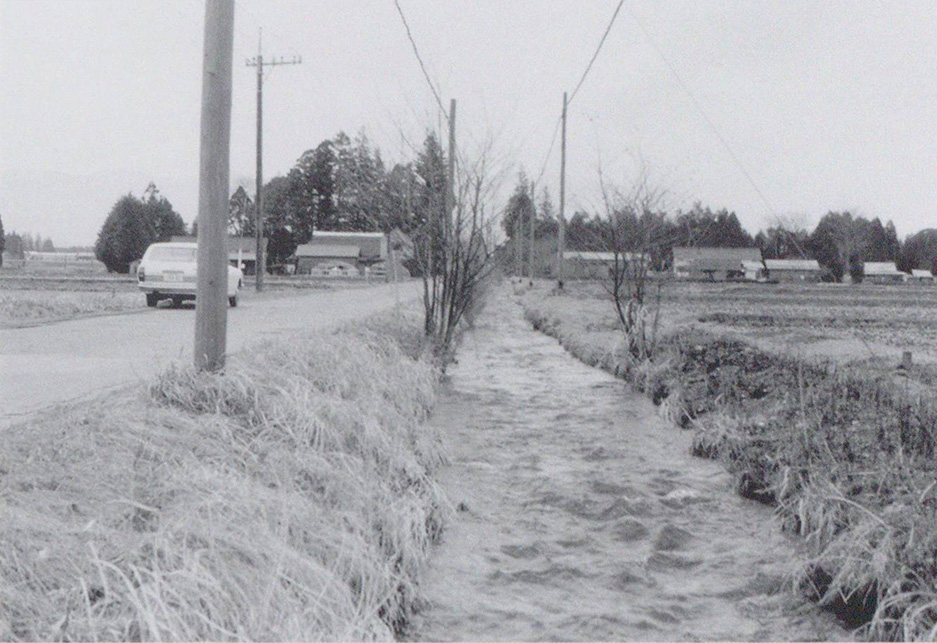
point(279, 215)
point(240, 214)
point(519, 210)
point(14, 245)
point(919, 251)
point(126, 234)
point(165, 221)
point(132, 225)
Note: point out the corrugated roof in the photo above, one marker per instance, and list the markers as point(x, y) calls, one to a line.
point(792, 264)
point(327, 250)
point(883, 268)
point(706, 259)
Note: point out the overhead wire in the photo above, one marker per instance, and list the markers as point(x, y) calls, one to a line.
point(419, 59)
point(704, 114)
point(596, 54)
point(582, 79)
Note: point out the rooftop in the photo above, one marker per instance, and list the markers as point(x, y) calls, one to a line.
point(881, 268)
point(792, 264)
point(327, 250)
point(711, 259)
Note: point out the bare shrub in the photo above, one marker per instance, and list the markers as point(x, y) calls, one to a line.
point(453, 255)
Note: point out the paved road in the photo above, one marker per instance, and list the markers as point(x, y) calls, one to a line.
point(46, 365)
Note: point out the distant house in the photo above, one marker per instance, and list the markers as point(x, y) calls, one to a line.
point(242, 251)
point(587, 265)
point(35, 261)
point(805, 270)
point(353, 253)
point(713, 264)
point(582, 264)
point(918, 276)
point(753, 270)
point(883, 272)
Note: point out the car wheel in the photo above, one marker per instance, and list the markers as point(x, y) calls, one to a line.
point(233, 301)
point(151, 299)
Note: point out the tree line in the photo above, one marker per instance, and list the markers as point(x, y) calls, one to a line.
point(841, 242)
point(342, 184)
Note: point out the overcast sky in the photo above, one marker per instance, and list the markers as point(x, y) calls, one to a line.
point(826, 105)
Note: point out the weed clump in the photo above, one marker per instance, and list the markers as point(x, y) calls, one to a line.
point(291, 497)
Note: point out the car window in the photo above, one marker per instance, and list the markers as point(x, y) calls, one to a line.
point(181, 255)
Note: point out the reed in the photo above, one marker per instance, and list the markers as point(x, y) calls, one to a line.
point(290, 498)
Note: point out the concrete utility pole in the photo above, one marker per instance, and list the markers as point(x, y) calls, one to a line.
point(561, 240)
point(259, 63)
point(212, 287)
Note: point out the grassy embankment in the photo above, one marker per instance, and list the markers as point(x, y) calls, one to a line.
point(290, 498)
point(848, 458)
point(27, 300)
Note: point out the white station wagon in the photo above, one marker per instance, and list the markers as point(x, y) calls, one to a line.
point(167, 271)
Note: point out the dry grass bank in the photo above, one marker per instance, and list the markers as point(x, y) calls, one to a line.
point(847, 457)
point(291, 498)
point(26, 306)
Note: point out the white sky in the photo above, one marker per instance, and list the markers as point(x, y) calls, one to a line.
point(827, 105)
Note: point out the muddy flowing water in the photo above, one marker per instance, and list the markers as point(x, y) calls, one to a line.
point(582, 515)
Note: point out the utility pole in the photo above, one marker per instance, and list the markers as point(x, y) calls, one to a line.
point(450, 180)
point(517, 247)
point(561, 240)
point(259, 63)
point(533, 223)
point(214, 156)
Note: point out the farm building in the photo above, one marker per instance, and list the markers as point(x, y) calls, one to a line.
point(241, 251)
point(350, 253)
point(713, 264)
point(918, 276)
point(807, 270)
point(579, 264)
point(883, 272)
point(58, 261)
point(587, 265)
point(753, 270)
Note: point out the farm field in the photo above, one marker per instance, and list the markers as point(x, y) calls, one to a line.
point(863, 325)
point(27, 300)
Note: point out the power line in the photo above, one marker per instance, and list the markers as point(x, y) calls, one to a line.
point(706, 118)
point(597, 50)
point(546, 159)
point(582, 79)
point(420, 60)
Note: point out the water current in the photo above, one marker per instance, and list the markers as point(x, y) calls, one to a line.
point(582, 516)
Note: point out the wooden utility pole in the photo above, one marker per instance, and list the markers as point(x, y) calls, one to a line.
point(517, 247)
point(561, 237)
point(450, 179)
point(212, 294)
point(258, 62)
point(533, 223)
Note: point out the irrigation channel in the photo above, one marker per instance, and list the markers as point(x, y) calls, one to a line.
point(582, 516)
